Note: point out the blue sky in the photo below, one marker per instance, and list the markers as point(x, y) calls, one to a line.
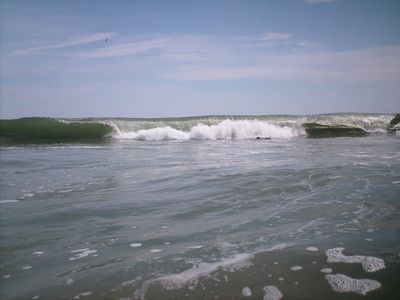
point(184, 58)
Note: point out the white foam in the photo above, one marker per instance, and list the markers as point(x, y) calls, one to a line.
point(271, 292)
point(25, 268)
point(155, 250)
point(84, 294)
point(135, 245)
point(369, 263)
point(29, 195)
point(64, 191)
point(79, 250)
point(176, 281)
point(296, 268)
point(81, 253)
point(342, 283)
point(326, 270)
point(38, 253)
point(246, 292)
point(69, 281)
point(8, 201)
point(195, 247)
point(7, 276)
point(225, 130)
point(36, 297)
point(312, 249)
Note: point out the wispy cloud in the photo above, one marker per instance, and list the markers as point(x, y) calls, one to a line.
point(308, 44)
point(213, 58)
point(267, 39)
point(370, 65)
point(69, 43)
point(276, 36)
point(124, 49)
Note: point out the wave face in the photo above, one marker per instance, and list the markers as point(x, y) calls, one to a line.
point(237, 127)
point(47, 130)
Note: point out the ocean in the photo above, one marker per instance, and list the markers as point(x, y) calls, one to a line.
point(199, 208)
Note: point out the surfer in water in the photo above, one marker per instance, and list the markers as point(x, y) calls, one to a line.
point(263, 138)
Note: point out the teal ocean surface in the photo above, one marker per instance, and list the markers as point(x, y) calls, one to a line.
point(199, 208)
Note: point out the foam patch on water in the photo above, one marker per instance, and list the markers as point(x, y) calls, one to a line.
point(8, 201)
point(296, 268)
point(312, 249)
point(135, 245)
point(326, 270)
point(246, 292)
point(38, 253)
point(369, 263)
point(191, 276)
point(342, 283)
point(194, 247)
point(271, 292)
point(25, 268)
point(230, 264)
point(64, 191)
point(155, 250)
point(84, 294)
point(179, 280)
point(81, 253)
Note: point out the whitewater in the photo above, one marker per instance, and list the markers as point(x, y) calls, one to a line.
point(237, 127)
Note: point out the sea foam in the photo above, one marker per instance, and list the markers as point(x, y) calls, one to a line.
point(81, 253)
point(8, 201)
point(179, 280)
point(246, 292)
point(342, 283)
point(225, 130)
point(369, 263)
point(271, 292)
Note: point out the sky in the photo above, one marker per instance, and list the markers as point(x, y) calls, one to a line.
point(171, 58)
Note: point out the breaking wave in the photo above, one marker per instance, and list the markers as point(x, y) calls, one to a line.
point(225, 130)
point(46, 130)
point(238, 127)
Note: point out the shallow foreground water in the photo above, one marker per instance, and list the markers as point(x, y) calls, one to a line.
point(201, 219)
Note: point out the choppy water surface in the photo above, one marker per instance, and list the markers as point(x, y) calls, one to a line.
point(198, 219)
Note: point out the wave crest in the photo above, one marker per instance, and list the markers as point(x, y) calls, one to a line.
point(225, 130)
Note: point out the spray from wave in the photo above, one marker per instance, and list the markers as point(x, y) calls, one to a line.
point(224, 130)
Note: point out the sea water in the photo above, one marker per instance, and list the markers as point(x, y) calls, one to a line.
point(202, 212)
